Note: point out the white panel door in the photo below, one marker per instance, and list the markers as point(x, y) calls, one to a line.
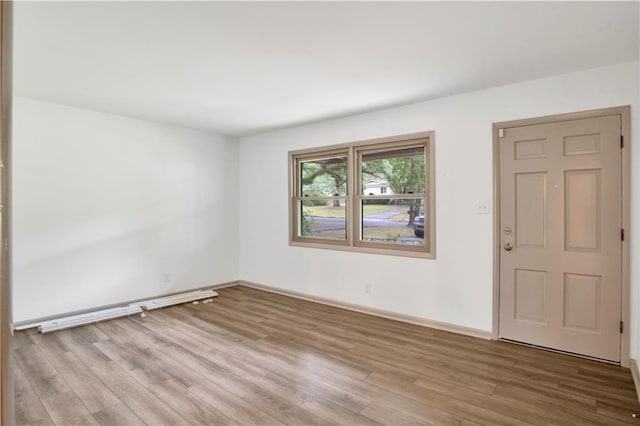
point(561, 221)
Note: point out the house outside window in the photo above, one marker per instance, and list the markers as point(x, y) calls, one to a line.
point(376, 187)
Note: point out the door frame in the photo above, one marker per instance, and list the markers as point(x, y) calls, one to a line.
point(625, 115)
point(7, 398)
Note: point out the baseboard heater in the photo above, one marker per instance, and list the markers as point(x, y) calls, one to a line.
point(111, 313)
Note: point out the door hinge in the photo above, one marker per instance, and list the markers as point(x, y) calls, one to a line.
point(501, 133)
point(621, 326)
point(621, 141)
point(622, 234)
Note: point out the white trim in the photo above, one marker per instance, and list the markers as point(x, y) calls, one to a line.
point(453, 328)
point(161, 302)
point(121, 311)
point(35, 322)
point(26, 325)
point(89, 318)
point(635, 372)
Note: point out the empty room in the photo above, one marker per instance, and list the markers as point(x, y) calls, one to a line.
point(302, 213)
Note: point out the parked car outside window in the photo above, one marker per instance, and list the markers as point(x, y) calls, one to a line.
point(418, 226)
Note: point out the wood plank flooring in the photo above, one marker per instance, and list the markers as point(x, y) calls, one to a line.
point(253, 357)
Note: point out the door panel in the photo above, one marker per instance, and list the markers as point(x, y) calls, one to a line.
point(530, 287)
point(536, 148)
point(561, 216)
point(582, 144)
point(582, 301)
point(582, 210)
point(531, 217)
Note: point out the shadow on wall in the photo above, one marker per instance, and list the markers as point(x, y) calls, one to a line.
point(98, 263)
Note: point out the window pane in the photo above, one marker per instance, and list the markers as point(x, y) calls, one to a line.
point(323, 219)
point(394, 172)
point(393, 221)
point(325, 177)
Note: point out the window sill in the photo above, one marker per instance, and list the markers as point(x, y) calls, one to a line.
point(367, 250)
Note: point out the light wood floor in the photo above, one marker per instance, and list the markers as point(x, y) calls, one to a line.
point(253, 357)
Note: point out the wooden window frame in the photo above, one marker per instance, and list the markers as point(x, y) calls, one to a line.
point(353, 197)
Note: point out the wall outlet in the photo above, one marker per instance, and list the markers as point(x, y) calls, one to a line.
point(167, 277)
point(482, 207)
point(368, 288)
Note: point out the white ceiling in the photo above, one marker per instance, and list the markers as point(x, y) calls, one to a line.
point(245, 68)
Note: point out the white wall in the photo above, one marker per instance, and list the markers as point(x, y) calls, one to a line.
point(105, 206)
point(457, 286)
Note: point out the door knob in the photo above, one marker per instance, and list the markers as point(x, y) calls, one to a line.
point(508, 247)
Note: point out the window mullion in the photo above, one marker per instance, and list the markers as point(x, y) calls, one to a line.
point(327, 198)
point(393, 196)
point(352, 200)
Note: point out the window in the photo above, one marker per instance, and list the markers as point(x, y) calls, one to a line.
point(372, 196)
point(322, 206)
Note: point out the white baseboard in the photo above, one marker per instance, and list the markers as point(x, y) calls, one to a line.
point(453, 328)
point(635, 372)
point(23, 325)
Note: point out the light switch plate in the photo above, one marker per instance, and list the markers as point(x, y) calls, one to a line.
point(482, 207)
